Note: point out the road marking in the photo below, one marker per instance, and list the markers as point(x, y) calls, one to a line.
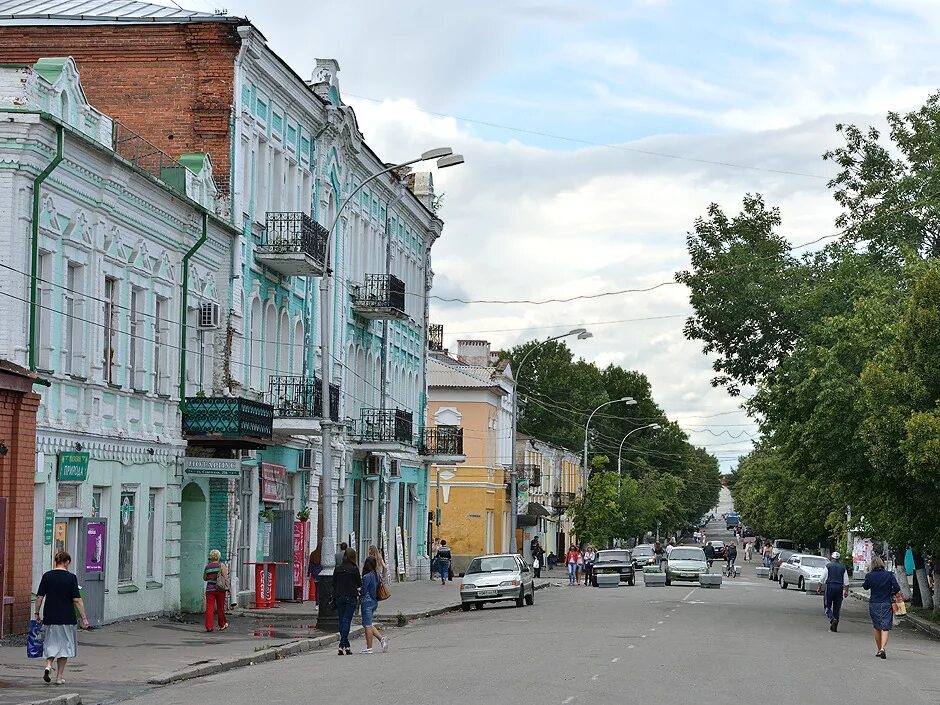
point(691, 592)
point(631, 646)
point(652, 629)
point(661, 621)
point(595, 676)
point(567, 700)
point(642, 636)
point(615, 660)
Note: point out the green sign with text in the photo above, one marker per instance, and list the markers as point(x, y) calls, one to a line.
point(48, 527)
point(73, 466)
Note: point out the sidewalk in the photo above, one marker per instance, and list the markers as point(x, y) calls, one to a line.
point(916, 621)
point(124, 659)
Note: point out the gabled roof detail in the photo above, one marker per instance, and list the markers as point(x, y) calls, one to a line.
point(91, 11)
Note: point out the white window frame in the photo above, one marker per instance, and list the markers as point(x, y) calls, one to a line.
point(135, 491)
point(74, 352)
point(161, 345)
point(137, 363)
point(109, 344)
point(44, 311)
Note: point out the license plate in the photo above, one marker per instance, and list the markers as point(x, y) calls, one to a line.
point(486, 593)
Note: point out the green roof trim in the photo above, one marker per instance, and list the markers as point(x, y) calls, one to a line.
point(194, 161)
point(50, 68)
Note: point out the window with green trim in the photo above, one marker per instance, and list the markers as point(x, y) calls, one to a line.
point(261, 109)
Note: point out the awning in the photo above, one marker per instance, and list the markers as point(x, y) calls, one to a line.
point(537, 510)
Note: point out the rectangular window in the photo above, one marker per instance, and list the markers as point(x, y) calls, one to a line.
point(152, 552)
point(137, 338)
point(161, 349)
point(126, 526)
point(96, 504)
point(44, 313)
point(68, 495)
point(74, 357)
point(109, 314)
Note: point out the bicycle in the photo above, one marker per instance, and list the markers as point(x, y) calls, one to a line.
point(731, 570)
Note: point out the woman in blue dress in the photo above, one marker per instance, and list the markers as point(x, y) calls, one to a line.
point(368, 603)
point(883, 586)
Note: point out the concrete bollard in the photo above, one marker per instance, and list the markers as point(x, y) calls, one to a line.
point(654, 579)
point(762, 572)
point(709, 580)
point(608, 580)
point(813, 587)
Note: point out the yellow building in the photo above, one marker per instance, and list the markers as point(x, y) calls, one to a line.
point(470, 500)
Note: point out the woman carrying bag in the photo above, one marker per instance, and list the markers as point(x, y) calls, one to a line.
point(215, 574)
point(58, 590)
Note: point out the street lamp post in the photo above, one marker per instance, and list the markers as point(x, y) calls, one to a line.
point(620, 452)
point(585, 475)
point(583, 334)
point(326, 617)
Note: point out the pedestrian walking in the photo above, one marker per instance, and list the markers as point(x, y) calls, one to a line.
point(380, 566)
point(571, 560)
point(883, 585)
point(58, 591)
point(731, 555)
point(748, 550)
point(443, 557)
point(579, 568)
point(215, 575)
point(341, 553)
point(768, 554)
point(347, 582)
point(837, 588)
point(313, 571)
point(538, 556)
point(590, 555)
point(709, 554)
point(669, 546)
point(659, 554)
point(434, 546)
point(370, 600)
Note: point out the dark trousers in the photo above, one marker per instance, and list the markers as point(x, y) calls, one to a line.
point(345, 608)
point(833, 601)
point(215, 603)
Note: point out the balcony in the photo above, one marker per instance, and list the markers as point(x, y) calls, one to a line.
point(229, 422)
point(443, 445)
point(298, 404)
point(561, 501)
point(293, 244)
point(436, 337)
point(380, 298)
point(533, 473)
point(381, 430)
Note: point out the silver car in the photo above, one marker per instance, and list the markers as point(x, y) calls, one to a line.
point(497, 578)
point(801, 568)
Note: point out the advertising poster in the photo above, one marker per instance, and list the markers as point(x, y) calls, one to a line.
point(273, 483)
point(399, 551)
point(861, 555)
point(300, 552)
point(94, 547)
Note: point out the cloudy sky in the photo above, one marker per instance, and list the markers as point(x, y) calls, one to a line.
point(595, 132)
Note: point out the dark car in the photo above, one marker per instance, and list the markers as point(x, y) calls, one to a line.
point(748, 532)
point(720, 550)
point(782, 550)
point(614, 561)
point(642, 555)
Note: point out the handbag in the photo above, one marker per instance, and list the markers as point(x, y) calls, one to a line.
point(898, 606)
point(536, 564)
point(382, 592)
point(34, 639)
point(222, 582)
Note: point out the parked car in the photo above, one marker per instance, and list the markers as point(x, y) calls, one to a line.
point(720, 550)
point(800, 568)
point(642, 555)
point(782, 549)
point(748, 532)
point(614, 561)
point(685, 563)
point(497, 578)
point(732, 520)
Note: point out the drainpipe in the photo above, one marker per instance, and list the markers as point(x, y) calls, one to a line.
point(184, 304)
point(34, 263)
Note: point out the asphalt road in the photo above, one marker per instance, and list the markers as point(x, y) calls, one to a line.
point(749, 642)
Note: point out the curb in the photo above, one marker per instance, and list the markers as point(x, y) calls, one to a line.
point(273, 654)
point(66, 699)
point(919, 623)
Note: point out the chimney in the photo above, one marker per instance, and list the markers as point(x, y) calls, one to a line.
point(325, 80)
point(474, 352)
point(421, 184)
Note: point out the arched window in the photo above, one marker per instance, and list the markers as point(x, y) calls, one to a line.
point(297, 347)
point(283, 345)
point(270, 347)
point(253, 370)
point(360, 377)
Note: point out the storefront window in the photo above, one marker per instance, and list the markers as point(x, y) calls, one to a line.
point(151, 534)
point(126, 537)
point(67, 495)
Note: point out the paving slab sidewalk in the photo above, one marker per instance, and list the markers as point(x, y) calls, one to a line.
point(127, 658)
point(916, 621)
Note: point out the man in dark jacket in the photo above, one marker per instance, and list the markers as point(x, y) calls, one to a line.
point(837, 588)
point(709, 553)
point(443, 562)
point(538, 556)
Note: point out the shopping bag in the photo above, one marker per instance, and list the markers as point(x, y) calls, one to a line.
point(34, 639)
point(898, 605)
point(382, 592)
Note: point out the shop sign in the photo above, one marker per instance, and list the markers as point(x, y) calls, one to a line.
point(212, 467)
point(273, 483)
point(73, 466)
point(400, 550)
point(48, 527)
point(94, 546)
point(300, 551)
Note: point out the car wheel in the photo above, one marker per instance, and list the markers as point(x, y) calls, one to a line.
point(465, 606)
point(668, 582)
point(593, 582)
point(520, 601)
point(478, 605)
point(783, 583)
point(802, 584)
point(530, 598)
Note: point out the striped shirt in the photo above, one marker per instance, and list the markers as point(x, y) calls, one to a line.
point(211, 575)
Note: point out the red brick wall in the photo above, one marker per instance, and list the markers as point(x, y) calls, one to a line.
point(17, 476)
point(170, 83)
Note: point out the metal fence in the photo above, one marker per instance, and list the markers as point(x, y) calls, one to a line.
point(301, 397)
point(386, 426)
point(443, 440)
point(294, 233)
point(227, 416)
point(381, 291)
point(436, 337)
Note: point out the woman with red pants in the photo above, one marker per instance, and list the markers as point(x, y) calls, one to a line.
point(216, 577)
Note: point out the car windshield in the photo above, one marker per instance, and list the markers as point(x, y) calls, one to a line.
point(640, 551)
point(498, 564)
point(718, 544)
point(687, 554)
point(814, 562)
point(613, 556)
point(785, 545)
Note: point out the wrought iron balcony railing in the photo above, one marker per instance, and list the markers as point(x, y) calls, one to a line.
point(227, 417)
point(442, 440)
point(533, 473)
point(436, 337)
point(301, 397)
point(386, 426)
point(293, 244)
point(381, 297)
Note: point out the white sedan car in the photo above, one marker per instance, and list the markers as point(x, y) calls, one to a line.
point(497, 578)
point(801, 568)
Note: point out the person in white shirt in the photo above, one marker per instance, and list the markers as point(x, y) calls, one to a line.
point(837, 588)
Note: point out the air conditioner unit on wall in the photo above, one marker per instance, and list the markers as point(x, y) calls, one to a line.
point(209, 316)
point(373, 465)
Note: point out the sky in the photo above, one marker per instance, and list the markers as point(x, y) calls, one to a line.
point(595, 133)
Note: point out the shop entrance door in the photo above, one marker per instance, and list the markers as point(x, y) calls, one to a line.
point(92, 566)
